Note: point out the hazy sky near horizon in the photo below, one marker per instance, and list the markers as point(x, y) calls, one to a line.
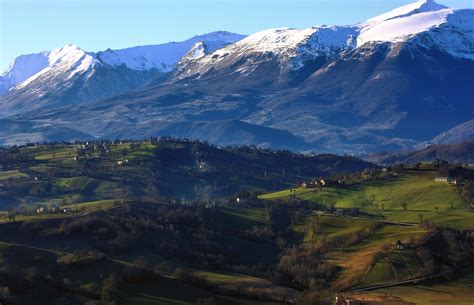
point(29, 26)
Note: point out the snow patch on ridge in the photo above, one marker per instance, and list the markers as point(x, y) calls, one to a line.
point(398, 29)
point(408, 10)
point(447, 29)
point(199, 50)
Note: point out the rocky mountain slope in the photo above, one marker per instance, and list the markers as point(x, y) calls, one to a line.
point(452, 153)
point(456, 134)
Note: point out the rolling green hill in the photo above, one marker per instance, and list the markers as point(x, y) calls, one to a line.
point(403, 198)
point(158, 222)
point(65, 174)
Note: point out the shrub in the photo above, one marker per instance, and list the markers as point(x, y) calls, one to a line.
point(110, 289)
point(80, 258)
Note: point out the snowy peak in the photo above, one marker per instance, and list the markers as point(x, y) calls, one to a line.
point(72, 59)
point(197, 51)
point(219, 36)
point(69, 53)
point(26, 68)
point(421, 6)
point(332, 39)
point(22, 68)
point(68, 61)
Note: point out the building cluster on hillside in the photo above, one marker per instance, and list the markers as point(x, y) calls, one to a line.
point(202, 166)
point(448, 180)
point(319, 182)
point(52, 210)
point(343, 212)
point(122, 162)
point(85, 148)
point(240, 201)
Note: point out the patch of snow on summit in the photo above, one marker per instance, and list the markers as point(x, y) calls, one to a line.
point(408, 10)
point(398, 29)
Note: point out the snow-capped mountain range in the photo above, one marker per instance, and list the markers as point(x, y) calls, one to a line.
point(163, 57)
point(68, 75)
point(393, 81)
point(454, 33)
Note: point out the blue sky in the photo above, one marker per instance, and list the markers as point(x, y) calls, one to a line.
point(29, 26)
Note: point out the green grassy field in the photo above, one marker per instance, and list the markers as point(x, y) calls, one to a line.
point(244, 216)
point(355, 260)
point(387, 198)
point(381, 273)
point(14, 174)
point(55, 153)
point(20, 218)
point(91, 206)
point(285, 193)
point(239, 282)
point(94, 205)
point(456, 291)
point(397, 266)
point(173, 292)
point(334, 227)
point(356, 242)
